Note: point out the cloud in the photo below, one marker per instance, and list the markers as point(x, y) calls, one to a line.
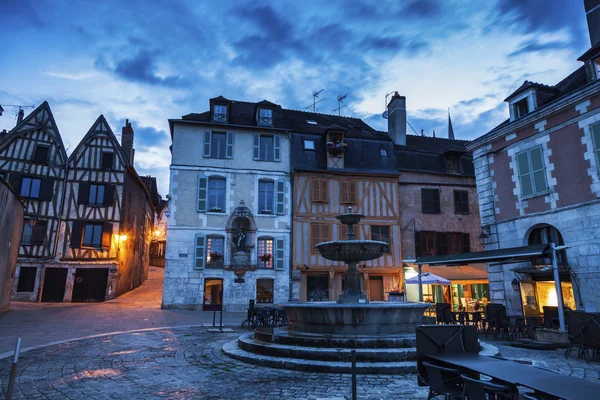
point(533, 46)
point(423, 8)
point(142, 68)
point(148, 136)
point(394, 44)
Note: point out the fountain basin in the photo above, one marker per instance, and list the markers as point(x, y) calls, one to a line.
point(351, 250)
point(376, 318)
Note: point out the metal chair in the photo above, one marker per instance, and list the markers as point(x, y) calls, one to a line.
point(475, 389)
point(443, 314)
point(443, 381)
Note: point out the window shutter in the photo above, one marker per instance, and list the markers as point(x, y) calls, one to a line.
point(277, 147)
point(202, 193)
point(417, 244)
point(200, 244)
point(207, 140)
point(352, 192)
point(325, 233)
point(229, 151)
point(107, 230)
point(324, 196)
point(596, 139)
point(466, 243)
point(83, 193)
point(46, 189)
point(538, 170)
point(39, 232)
point(256, 147)
point(15, 181)
point(315, 236)
point(316, 189)
point(436, 200)
point(457, 202)
point(109, 195)
point(441, 243)
point(279, 252)
point(76, 230)
point(524, 174)
point(280, 198)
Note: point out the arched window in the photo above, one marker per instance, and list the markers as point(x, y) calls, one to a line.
point(546, 234)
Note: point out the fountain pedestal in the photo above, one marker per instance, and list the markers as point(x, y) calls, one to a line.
point(353, 293)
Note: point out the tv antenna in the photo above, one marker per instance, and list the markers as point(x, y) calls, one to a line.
point(315, 95)
point(385, 114)
point(17, 108)
point(341, 104)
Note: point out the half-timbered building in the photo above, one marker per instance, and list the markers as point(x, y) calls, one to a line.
point(89, 216)
point(337, 163)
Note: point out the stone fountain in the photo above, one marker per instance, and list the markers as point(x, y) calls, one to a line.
point(320, 335)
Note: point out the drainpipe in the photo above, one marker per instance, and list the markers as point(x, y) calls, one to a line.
point(420, 284)
point(559, 296)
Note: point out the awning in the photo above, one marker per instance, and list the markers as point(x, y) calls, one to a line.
point(458, 273)
point(506, 256)
point(428, 279)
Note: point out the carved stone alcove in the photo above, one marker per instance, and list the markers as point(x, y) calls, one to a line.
point(241, 236)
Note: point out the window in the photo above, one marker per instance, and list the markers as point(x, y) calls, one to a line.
point(309, 145)
point(199, 244)
point(382, 234)
point(107, 161)
point(215, 250)
point(267, 148)
point(26, 279)
point(383, 153)
point(343, 232)
point(520, 108)
point(547, 234)
point(595, 129)
point(265, 253)
point(430, 201)
point(348, 192)
point(92, 235)
point(319, 233)
point(265, 197)
point(441, 243)
point(34, 232)
point(216, 194)
point(218, 144)
point(220, 113)
point(265, 116)
point(319, 190)
point(311, 122)
point(40, 155)
point(532, 173)
point(461, 202)
point(30, 187)
point(264, 290)
point(96, 197)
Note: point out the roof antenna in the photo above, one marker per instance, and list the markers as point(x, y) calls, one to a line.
point(315, 95)
point(385, 113)
point(423, 132)
point(341, 104)
point(17, 107)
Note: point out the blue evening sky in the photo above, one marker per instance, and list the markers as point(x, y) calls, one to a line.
point(153, 60)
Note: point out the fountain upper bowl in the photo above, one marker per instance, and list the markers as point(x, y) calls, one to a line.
point(351, 250)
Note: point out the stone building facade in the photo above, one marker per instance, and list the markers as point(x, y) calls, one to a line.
point(538, 181)
point(229, 209)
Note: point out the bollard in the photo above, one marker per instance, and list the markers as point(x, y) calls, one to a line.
point(13, 371)
point(353, 352)
point(221, 321)
point(214, 317)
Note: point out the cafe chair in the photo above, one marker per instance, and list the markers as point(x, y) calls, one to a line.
point(443, 314)
point(475, 389)
point(443, 381)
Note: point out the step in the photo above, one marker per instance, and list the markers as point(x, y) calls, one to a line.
point(283, 336)
point(399, 368)
point(248, 343)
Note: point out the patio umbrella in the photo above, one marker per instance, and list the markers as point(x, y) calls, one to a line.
point(429, 279)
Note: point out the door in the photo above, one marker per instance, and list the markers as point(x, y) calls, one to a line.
point(55, 280)
point(213, 294)
point(376, 288)
point(90, 284)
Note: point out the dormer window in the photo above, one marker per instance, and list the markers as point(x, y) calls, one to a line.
point(311, 122)
point(521, 108)
point(265, 116)
point(220, 113)
point(309, 144)
point(383, 153)
point(597, 67)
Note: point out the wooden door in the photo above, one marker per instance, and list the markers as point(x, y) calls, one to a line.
point(55, 280)
point(376, 288)
point(90, 284)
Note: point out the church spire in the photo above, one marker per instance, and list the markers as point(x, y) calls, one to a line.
point(450, 129)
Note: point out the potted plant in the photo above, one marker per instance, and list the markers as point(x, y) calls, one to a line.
point(215, 209)
point(336, 148)
point(215, 257)
point(265, 258)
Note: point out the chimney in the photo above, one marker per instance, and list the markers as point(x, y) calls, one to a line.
point(127, 141)
point(20, 116)
point(593, 20)
point(397, 119)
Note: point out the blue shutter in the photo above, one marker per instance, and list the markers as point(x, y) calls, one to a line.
point(524, 174)
point(207, 140)
point(538, 170)
point(280, 197)
point(202, 193)
point(277, 147)
point(256, 147)
point(229, 152)
point(279, 252)
point(199, 245)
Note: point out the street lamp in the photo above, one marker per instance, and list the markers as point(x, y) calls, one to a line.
point(559, 296)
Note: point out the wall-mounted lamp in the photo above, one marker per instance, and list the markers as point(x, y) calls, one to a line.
point(122, 238)
point(485, 234)
point(515, 284)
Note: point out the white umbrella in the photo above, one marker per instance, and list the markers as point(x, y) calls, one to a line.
point(428, 279)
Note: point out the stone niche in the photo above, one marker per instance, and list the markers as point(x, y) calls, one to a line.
point(241, 236)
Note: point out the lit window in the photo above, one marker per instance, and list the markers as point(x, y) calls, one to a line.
point(30, 187)
point(311, 122)
point(309, 145)
point(220, 112)
point(265, 253)
point(265, 116)
point(215, 248)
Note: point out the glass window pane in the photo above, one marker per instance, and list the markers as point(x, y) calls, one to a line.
point(526, 186)
point(537, 161)
point(266, 148)
point(539, 178)
point(92, 196)
point(25, 187)
point(97, 239)
point(87, 235)
point(100, 196)
point(523, 163)
point(35, 188)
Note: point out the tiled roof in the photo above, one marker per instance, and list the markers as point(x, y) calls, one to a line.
point(528, 85)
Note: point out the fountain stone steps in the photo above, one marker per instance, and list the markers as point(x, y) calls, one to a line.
point(232, 350)
point(249, 344)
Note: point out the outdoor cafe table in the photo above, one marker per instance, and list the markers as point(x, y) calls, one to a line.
point(513, 373)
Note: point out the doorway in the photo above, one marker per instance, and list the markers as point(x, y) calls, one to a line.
point(90, 284)
point(55, 280)
point(213, 294)
point(376, 288)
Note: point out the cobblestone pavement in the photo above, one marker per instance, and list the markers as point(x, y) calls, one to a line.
point(43, 323)
point(188, 363)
